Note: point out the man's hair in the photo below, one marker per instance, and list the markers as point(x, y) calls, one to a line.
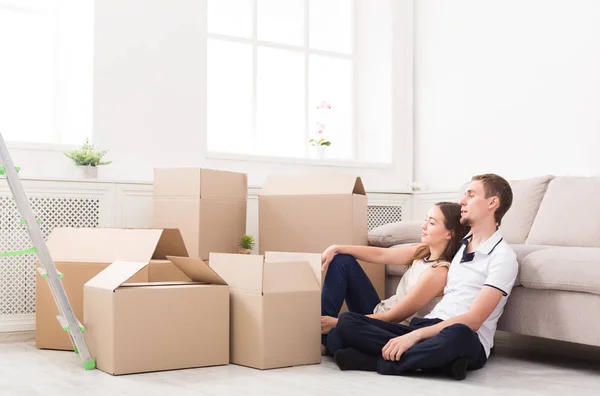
point(496, 186)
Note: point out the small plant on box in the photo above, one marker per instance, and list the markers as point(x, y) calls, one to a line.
point(246, 244)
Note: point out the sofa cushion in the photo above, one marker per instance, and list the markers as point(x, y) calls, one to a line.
point(527, 197)
point(396, 270)
point(562, 268)
point(569, 214)
point(522, 250)
point(395, 233)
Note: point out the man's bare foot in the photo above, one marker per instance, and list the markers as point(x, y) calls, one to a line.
point(323, 350)
point(327, 323)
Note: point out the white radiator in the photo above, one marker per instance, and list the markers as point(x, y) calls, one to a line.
point(17, 273)
point(383, 214)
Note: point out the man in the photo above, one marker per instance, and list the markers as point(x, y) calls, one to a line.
point(458, 334)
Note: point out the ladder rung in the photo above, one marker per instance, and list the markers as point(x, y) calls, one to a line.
point(65, 325)
point(44, 274)
point(19, 252)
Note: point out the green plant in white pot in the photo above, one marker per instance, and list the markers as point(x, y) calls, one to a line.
point(88, 159)
point(246, 244)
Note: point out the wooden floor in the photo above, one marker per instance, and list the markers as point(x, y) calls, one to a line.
point(518, 367)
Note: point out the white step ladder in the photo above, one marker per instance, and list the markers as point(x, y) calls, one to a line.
point(47, 269)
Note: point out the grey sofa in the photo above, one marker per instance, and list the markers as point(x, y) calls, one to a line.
point(554, 228)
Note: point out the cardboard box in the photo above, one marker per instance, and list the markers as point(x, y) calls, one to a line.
point(207, 206)
point(275, 310)
point(311, 213)
point(153, 326)
point(82, 253)
point(165, 271)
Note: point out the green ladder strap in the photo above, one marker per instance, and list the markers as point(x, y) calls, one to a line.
point(3, 169)
point(19, 252)
point(22, 221)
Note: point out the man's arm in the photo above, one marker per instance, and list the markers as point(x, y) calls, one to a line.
point(483, 306)
point(500, 280)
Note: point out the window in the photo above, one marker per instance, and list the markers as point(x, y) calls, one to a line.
point(46, 48)
point(280, 71)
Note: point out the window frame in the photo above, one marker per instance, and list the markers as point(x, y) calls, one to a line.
point(53, 11)
point(307, 52)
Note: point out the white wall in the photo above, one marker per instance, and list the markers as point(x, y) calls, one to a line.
point(149, 85)
point(511, 87)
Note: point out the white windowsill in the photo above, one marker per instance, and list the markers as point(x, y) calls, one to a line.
point(40, 146)
point(297, 161)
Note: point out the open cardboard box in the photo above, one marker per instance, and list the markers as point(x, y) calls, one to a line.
point(311, 213)
point(275, 309)
point(208, 207)
point(82, 253)
point(152, 326)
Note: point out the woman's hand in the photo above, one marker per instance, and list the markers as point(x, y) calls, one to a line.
point(327, 256)
point(327, 323)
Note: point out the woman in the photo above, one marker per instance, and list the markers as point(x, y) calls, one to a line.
point(419, 289)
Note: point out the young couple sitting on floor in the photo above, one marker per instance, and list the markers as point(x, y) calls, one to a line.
point(447, 304)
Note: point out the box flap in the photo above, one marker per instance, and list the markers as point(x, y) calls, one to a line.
point(176, 182)
point(197, 270)
point(293, 276)
point(159, 284)
point(104, 245)
point(313, 185)
point(224, 185)
point(242, 272)
point(313, 259)
point(170, 242)
point(197, 183)
point(115, 274)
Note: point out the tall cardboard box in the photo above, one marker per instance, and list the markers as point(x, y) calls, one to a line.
point(154, 326)
point(207, 206)
point(311, 213)
point(275, 310)
point(82, 253)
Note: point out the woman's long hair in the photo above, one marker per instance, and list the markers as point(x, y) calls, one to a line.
point(451, 212)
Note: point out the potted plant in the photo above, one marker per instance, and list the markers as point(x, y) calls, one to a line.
point(319, 140)
point(88, 158)
point(246, 244)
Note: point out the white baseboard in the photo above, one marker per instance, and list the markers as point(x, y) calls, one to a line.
point(13, 323)
point(17, 336)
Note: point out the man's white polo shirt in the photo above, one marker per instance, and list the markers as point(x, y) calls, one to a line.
point(493, 264)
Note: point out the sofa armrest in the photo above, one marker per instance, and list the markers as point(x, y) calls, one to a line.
point(395, 233)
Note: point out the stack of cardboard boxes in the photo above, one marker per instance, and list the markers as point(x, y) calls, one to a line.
point(177, 296)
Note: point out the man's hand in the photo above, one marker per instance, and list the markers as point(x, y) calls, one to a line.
point(327, 323)
point(395, 347)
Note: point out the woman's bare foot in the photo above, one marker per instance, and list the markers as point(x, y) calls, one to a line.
point(327, 323)
point(323, 350)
